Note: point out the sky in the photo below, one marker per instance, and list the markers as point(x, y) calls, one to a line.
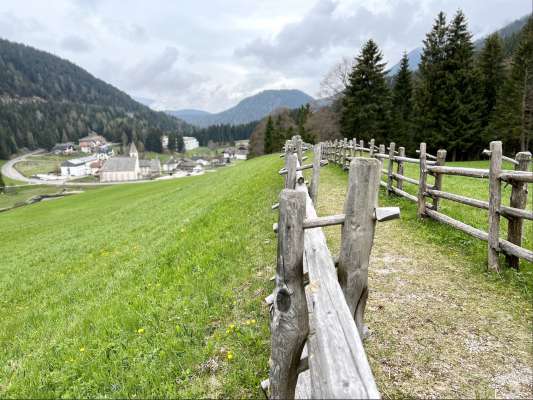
point(210, 54)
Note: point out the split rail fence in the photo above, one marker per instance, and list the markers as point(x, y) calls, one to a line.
point(392, 166)
point(318, 304)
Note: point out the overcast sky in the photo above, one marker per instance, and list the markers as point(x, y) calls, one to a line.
point(209, 54)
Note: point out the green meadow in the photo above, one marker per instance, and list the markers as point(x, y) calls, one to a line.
point(145, 290)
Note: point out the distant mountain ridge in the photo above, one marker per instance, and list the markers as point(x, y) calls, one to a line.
point(250, 109)
point(507, 32)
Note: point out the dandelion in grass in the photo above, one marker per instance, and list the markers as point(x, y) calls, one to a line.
point(140, 331)
point(229, 356)
point(82, 349)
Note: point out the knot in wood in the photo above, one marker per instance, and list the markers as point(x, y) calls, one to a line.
point(283, 300)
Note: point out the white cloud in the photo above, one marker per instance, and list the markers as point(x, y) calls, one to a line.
point(211, 53)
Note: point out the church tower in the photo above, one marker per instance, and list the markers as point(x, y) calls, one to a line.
point(133, 151)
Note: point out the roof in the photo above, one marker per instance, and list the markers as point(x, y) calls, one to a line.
point(171, 160)
point(154, 165)
point(119, 164)
point(92, 137)
point(63, 145)
point(75, 162)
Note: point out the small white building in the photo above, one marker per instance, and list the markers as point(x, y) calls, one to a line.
point(164, 142)
point(77, 167)
point(170, 165)
point(190, 143)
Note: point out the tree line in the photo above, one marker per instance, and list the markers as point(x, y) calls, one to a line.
point(224, 133)
point(460, 98)
point(457, 100)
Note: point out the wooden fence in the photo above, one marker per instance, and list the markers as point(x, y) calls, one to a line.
point(341, 152)
point(317, 306)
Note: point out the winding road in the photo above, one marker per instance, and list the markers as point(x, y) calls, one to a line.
point(9, 171)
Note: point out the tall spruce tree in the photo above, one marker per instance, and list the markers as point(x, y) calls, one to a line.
point(463, 105)
point(402, 106)
point(492, 70)
point(366, 103)
point(269, 136)
point(429, 94)
point(513, 119)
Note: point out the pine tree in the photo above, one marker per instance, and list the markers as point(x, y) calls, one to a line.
point(2, 184)
point(492, 70)
point(462, 94)
point(172, 141)
point(180, 144)
point(429, 94)
point(269, 136)
point(402, 106)
point(278, 135)
point(366, 103)
point(513, 118)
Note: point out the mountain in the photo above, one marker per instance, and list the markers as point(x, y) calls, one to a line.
point(250, 109)
point(45, 99)
point(508, 33)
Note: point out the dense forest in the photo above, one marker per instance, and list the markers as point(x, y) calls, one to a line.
point(459, 99)
point(224, 133)
point(45, 99)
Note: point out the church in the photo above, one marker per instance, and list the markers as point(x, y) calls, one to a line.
point(123, 169)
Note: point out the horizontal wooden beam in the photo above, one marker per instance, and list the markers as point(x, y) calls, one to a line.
point(404, 194)
point(459, 199)
point(427, 155)
point(405, 178)
point(517, 176)
point(514, 250)
point(516, 213)
point(320, 222)
point(383, 214)
point(460, 171)
point(477, 233)
point(505, 158)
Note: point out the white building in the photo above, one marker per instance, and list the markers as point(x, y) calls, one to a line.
point(164, 142)
point(77, 167)
point(190, 143)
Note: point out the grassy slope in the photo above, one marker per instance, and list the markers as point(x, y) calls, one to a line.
point(132, 290)
point(9, 181)
point(441, 326)
point(472, 248)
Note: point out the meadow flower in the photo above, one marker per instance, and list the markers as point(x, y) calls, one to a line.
point(229, 356)
point(140, 331)
point(82, 349)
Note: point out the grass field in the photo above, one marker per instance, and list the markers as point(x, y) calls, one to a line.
point(156, 290)
point(140, 290)
point(9, 181)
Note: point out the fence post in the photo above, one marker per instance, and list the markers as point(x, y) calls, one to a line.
point(354, 148)
point(313, 191)
point(399, 182)
point(441, 160)
point(495, 198)
point(391, 166)
point(518, 200)
point(298, 142)
point(361, 145)
point(358, 235)
point(372, 145)
point(422, 182)
point(290, 323)
point(291, 164)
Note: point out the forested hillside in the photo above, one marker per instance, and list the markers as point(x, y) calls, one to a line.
point(45, 99)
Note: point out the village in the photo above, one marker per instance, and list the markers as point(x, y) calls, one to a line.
point(94, 159)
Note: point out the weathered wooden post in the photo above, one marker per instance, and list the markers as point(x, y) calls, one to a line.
point(290, 323)
point(422, 187)
point(495, 198)
point(441, 160)
point(518, 200)
point(391, 167)
point(291, 163)
point(399, 181)
point(361, 145)
point(313, 190)
point(381, 151)
point(358, 235)
point(298, 143)
point(372, 146)
point(354, 148)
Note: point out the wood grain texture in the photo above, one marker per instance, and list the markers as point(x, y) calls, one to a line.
point(495, 199)
point(290, 325)
point(399, 170)
point(441, 160)
point(390, 181)
point(315, 181)
point(358, 235)
point(421, 212)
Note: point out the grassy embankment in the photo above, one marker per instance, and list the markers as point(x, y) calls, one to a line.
point(43, 164)
point(147, 290)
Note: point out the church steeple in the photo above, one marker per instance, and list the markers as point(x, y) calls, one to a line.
point(133, 151)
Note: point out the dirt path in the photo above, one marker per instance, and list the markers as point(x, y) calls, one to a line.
point(438, 330)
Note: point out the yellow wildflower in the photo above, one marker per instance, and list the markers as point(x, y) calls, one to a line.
point(229, 356)
point(140, 331)
point(82, 349)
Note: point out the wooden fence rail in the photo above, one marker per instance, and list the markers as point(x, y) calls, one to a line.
point(317, 310)
point(434, 167)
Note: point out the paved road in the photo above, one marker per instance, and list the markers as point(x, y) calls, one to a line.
point(8, 170)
